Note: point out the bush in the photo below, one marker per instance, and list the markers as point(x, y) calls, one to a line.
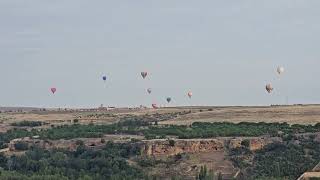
point(27, 124)
point(171, 142)
point(21, 146)
point(245, 143)
point(147, 162)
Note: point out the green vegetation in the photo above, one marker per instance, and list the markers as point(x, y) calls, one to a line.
point(21, 146)
point(13, 134)
point(140, 127)
point(27, 124)
point(171, 142)
point(205, 175)
point(287, 160)
point(109, 163)
point(224, 129)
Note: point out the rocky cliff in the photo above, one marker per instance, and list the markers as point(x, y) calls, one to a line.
point(165, 147)
point(158, 147)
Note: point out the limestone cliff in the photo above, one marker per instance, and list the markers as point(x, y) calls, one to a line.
point(163, 147)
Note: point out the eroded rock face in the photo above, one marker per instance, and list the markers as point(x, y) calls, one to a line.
point(235, 143)
point(259, 143)
point(162, 147)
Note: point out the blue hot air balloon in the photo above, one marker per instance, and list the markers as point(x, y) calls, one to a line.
point(104, 78)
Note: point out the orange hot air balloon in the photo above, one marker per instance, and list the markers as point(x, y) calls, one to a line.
point(269, 88)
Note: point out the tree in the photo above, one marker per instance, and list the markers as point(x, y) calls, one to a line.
point(171, 142)
point(203, 173)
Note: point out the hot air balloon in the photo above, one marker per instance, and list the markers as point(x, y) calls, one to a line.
point(280, 70)
point(155, 106)
point(149, 90)
point(104, 78)
point(169, 99)
point(190, 94)
point(53, 90)
point(144, 74)
point(269, 88)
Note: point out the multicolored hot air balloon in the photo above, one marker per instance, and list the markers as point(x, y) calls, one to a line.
point(280, 70)
point(190, 94)
point(269, 88)
point(53, 90)
point(155, 106)
point(149, 90)
point(169, 99)
point(144, 74)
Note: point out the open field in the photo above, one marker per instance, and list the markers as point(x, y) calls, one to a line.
point(304, 114)
point(298, 114)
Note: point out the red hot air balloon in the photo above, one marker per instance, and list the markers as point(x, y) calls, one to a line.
point(53, 90)
point(144, 74)
point(155, 106)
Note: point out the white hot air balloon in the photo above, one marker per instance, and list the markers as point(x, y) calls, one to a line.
point(280, 70)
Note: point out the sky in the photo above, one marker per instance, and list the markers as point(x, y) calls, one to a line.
point(225, 52)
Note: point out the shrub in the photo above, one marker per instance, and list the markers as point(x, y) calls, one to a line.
point(27, 124)
point(171, 142)
point(21, 146)
point(245, 143)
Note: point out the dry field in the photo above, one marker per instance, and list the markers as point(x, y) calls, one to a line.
point(302, 114)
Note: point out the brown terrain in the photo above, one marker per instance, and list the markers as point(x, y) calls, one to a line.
point(297, 114)
point(211, 153)
point(195, 152)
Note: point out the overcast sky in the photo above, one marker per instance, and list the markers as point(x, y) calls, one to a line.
point(223, 51)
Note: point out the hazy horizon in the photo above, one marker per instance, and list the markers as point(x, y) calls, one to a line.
point(224, 52)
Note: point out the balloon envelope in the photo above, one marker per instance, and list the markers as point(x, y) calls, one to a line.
point(155, 106)
point(169, 99)
point(104, 78)
point(149, 90)
point(144, 74)
point(269, 88)
point(190, 94)
point(53, 90)
point(280, 70)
